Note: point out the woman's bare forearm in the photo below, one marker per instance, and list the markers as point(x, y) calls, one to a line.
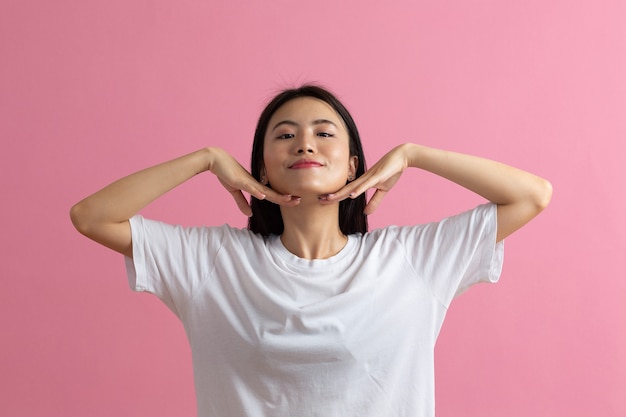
point(103, 216)
point(495, 181)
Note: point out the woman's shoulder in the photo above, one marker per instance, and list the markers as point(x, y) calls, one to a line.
point(224, 230)
point(482, 212)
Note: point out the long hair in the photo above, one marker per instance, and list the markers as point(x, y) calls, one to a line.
point(266, 218)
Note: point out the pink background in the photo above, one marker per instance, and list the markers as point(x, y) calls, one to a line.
point(91, 91)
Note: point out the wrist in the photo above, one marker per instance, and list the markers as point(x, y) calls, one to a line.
point(413, 154)
point(207, 158)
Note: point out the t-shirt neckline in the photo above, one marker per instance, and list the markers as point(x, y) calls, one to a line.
point(294, 263)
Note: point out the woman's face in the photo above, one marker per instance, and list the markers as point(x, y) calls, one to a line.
point(306, 149)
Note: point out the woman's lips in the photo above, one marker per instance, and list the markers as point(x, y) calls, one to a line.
point(305, 164)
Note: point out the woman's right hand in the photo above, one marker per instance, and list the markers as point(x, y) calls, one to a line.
point(236, 180)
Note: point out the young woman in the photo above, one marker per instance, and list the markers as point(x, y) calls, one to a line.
point(305, 312)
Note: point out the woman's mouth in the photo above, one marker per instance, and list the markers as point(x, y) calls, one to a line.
point(305, 163)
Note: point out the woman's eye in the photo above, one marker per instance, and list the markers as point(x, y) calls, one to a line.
point(286, 136)
point(325, 134)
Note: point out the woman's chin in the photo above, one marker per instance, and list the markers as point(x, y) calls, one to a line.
point(312, 193)
point(308, 190)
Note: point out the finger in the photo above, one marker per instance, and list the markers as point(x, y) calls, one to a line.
point(337, 196)
point(351, 190)
point(372, 205)
point(280, 199)
point(293, 201)
point(262, 192)
point(256, 190)
point(242, 203)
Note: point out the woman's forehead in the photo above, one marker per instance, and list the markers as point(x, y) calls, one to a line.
point(304, 111)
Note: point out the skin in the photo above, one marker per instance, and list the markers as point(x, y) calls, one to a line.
point(309, 196)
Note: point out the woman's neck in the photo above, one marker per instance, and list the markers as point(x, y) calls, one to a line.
point(312, 231)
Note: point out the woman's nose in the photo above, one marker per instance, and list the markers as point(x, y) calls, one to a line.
point(305, 145)
point(305, 149)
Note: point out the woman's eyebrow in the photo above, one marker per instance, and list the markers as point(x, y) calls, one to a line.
point(323, 121)
point(285, 122)
point(314, 123)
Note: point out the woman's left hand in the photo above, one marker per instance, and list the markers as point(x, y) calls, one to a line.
point(381, 177)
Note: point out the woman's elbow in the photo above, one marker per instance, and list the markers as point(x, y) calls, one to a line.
point(79, 215)
point(543, 194)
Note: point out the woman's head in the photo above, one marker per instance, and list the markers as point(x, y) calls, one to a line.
point(266, 216)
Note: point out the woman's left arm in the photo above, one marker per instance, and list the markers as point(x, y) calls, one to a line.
point(520, 195)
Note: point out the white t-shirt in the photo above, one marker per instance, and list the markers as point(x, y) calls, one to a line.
point(276, 335)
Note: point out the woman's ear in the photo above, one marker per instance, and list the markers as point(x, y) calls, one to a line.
point(353, 164)
point(263, 177)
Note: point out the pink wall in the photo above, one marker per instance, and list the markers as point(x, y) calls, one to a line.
point(90, 91)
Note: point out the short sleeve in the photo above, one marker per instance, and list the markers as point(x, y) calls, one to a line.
point(457, 252)
point(170, 261)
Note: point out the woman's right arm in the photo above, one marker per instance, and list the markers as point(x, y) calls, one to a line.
point(103, 216)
